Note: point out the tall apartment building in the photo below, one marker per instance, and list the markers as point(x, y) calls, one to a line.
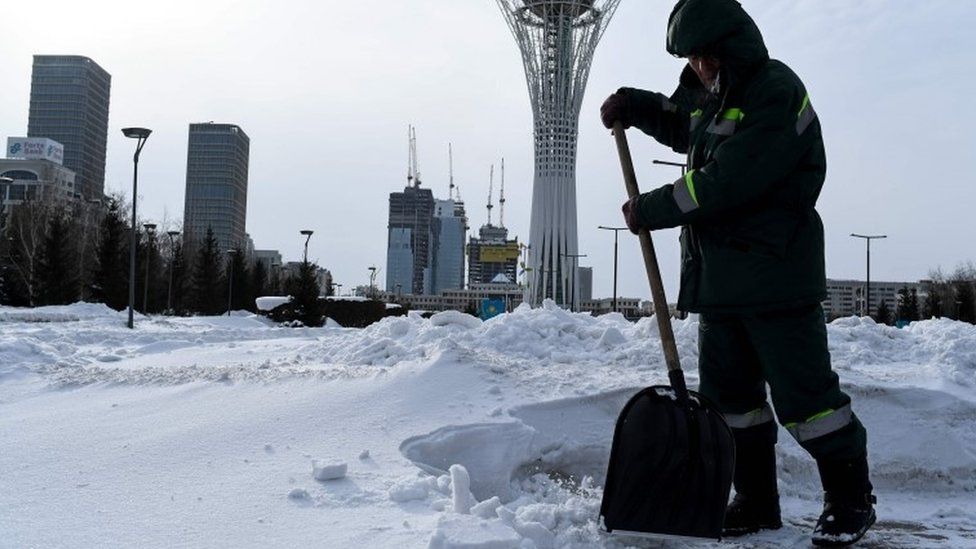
point(409, 237)
point(216, 184)
point(448, 230)
point(69, 102)
point(490, 254)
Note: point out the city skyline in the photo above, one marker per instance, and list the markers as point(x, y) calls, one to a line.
point(340, 147)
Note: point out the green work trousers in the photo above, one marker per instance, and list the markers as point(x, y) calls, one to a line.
point(739, 354)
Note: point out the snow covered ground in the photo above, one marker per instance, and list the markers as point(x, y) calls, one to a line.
point(231, 432)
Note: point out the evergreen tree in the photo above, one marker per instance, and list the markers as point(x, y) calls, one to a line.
point(305, 293)
point(206, 285)
point(933, 304)
point(913, 310)
point(110, 284)
point(237, 268)
point(965, 301)
point(259, 284)
point(178, 279)
point(883, 315)
point(901, 311)
point(57, 269)
point(907, 305)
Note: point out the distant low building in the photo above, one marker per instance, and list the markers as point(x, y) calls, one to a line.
point(847, 297)
point(323, 276)
point(269, 258)
point(39, 177)
point(468, 299)
point(630, 307)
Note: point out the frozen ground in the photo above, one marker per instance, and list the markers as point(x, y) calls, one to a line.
point(202, 432)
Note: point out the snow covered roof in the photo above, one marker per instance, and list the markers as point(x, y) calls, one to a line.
point(501, 278)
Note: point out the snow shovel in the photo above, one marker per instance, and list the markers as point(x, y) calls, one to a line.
point(672, 457)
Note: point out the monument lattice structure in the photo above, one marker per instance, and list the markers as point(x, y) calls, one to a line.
point(557, 39)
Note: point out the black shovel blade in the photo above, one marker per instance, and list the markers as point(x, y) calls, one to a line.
point(670, 468)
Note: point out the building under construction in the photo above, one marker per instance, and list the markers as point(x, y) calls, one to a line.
point(492, 257)
point(425, 251)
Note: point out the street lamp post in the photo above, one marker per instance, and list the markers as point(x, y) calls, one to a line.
point(150, 234)
point(338, 289)
point(616, 232)
point(230, 279)
point(372, 282)
point(572, 302)
point(172, 260)
point(140, 135)
point(308, 236)
point(867, 285)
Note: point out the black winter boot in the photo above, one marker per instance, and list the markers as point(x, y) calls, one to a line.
point(848, 503)
point(755, 506)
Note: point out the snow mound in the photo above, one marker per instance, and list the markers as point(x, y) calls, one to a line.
point(455, 318)
point(268, 303)
point(58, 313)
point(569, 438)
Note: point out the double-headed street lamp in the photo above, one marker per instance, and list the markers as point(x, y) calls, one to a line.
point(308, 236)
point(150, 234)
point(372, 281)
point(616, 232)
point(140, 135)
point(172, 260)
point(867, 286)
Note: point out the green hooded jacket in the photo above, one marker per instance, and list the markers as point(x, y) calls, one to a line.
point(751, 240)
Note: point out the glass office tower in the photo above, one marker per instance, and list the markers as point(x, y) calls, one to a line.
point(69, 103)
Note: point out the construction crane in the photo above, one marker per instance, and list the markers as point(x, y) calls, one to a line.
point(501, 198)
point(450, 172)
point(491, 183)
point(413, 172)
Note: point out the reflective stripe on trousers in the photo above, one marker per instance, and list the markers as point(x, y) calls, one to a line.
point(750, 419)
point(821, 424)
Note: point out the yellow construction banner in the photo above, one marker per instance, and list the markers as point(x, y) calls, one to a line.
point(499, 254)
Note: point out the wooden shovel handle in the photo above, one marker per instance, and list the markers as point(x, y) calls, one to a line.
point(650, 258)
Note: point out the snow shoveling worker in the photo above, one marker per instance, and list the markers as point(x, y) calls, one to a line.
point(752, 260)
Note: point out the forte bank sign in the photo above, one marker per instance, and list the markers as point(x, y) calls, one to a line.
point(34, 148)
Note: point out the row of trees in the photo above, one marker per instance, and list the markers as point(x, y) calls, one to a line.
point(53, 255)
point(950, 296)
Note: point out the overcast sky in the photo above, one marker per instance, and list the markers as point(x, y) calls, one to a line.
point(326, 89)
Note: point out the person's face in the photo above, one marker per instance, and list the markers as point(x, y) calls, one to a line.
point(706, 67)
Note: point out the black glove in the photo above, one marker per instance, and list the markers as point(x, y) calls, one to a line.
point(630, 214)
point(616, 108)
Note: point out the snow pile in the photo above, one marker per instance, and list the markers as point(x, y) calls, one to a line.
point(480, 434)
point(269, 303)
point(57, 313)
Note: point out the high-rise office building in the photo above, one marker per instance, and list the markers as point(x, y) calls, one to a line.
point(69, 102)
point(216, 184)
point(408, 251)
point(448, 229)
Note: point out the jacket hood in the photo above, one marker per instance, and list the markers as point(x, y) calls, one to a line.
point(716, 27)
